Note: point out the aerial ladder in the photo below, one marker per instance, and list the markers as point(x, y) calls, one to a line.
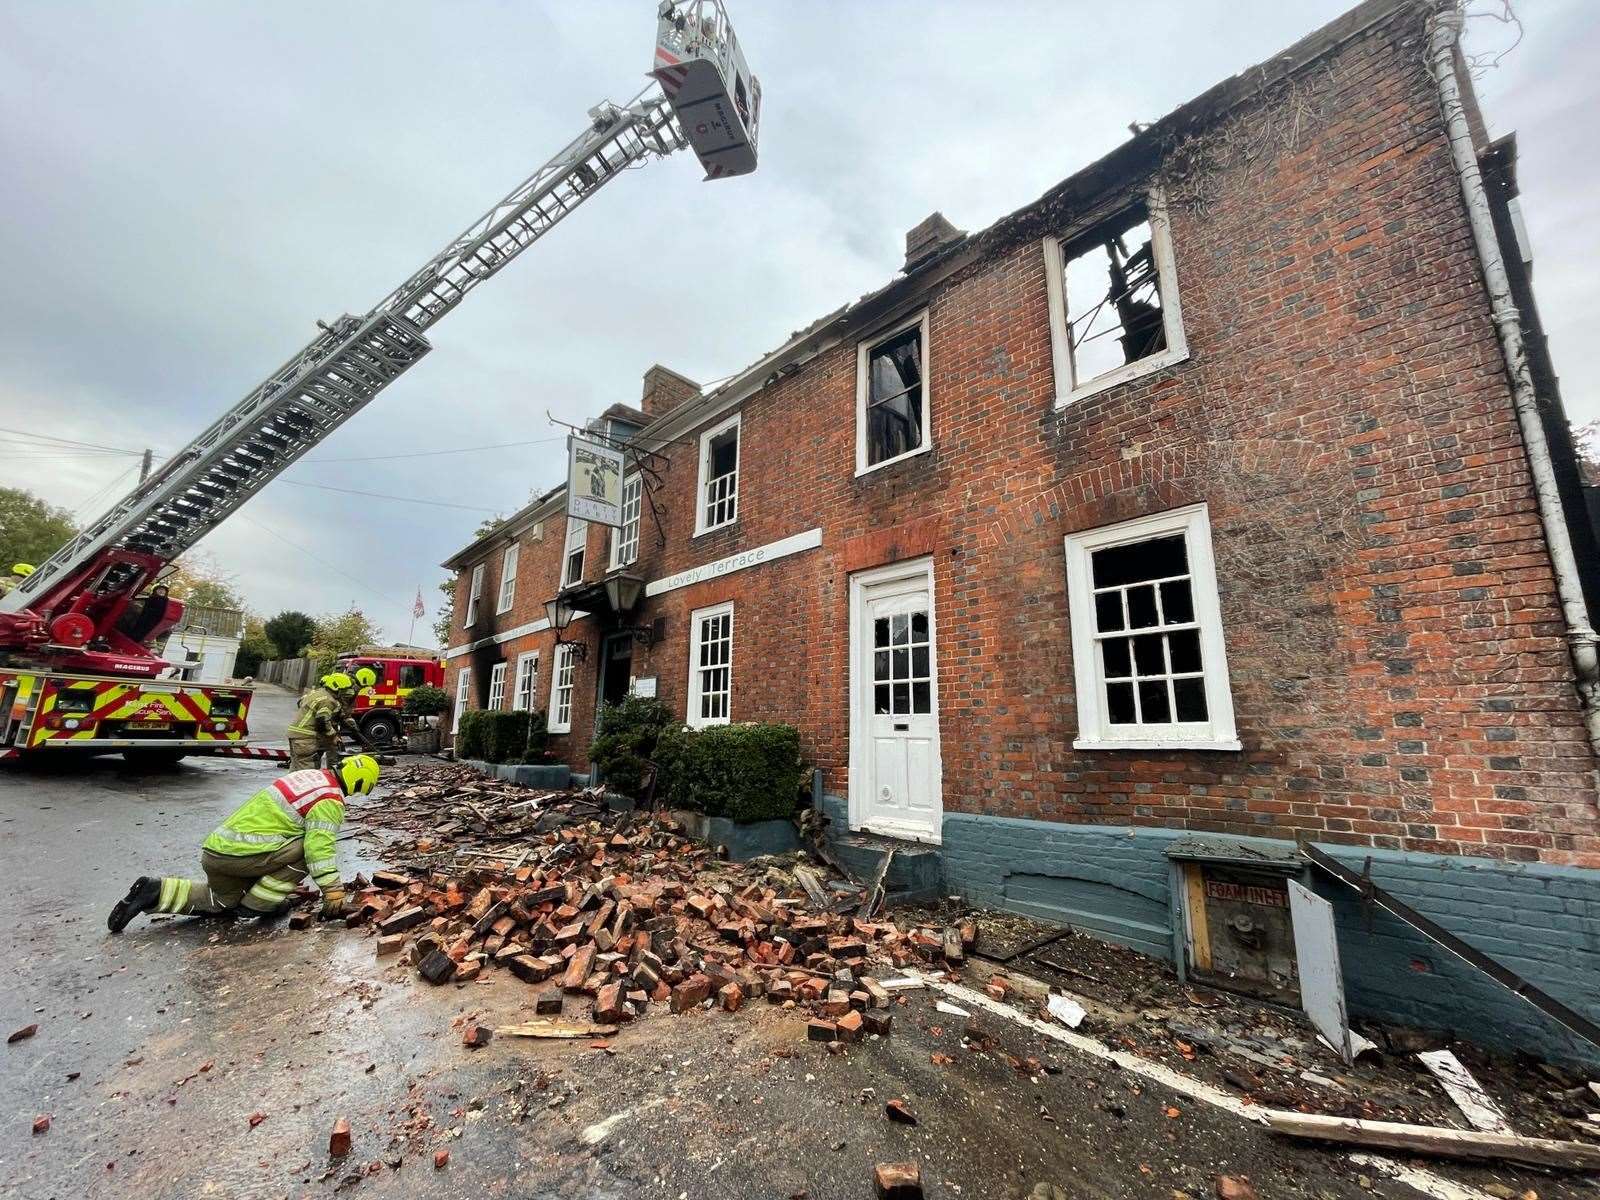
point(76, 668)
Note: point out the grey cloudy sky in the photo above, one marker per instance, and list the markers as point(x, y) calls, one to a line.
point(188, 186)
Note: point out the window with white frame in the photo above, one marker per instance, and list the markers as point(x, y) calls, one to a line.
point(527, 674)
point(1147, 644)
point(463, 692)
point(1113, 293)
point(474, 597)
point(892, 395)
point(508, 579)
point(710, 665)
point(719, 476)
point(561, 688)
point(572, 555)
point(625, 539)
point(497, 687)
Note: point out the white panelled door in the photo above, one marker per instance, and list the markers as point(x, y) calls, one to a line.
point(895, 719)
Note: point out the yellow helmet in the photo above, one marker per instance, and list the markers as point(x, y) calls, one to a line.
point(358, 774)
point(22, 569)
point(366, 677)
point(337, 681)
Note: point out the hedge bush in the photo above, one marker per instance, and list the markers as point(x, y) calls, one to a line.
point(627, 738)
point(427, 701)
point(499, 737)
point(538, 738)
point(470, 733)
point(746, 772)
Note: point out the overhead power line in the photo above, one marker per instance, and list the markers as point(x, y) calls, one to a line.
point(384, 496)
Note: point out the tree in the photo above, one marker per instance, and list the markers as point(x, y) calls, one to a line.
point(30, 530)
point(200, 582)
point(291, 632)
point(254, 648)
point(338, 634)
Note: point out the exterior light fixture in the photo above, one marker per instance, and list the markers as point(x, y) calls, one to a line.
point(560, 614)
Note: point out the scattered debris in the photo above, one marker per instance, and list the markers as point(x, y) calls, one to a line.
point(339, 1139)
point(256, 1118)
point(27, 1031)
point(476, 1036)
point(1234, 1187)
point(41, 1124)
point(555, 1029)
point(1445, 1143)
point(896, 1110)
point(1066, 1010)
point(898, 1181)
point(441, 1159)
point(1480, 1111)
point(951, 1010)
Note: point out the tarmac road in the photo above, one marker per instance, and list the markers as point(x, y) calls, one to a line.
point(155, 1048)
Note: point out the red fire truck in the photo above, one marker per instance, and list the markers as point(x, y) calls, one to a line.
point(379, 709)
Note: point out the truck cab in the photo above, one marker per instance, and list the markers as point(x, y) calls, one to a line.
point(380, 709)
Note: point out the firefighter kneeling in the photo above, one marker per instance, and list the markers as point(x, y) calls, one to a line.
point(254, 860)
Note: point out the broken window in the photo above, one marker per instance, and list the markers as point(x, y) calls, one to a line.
point(1113, 298)
point(892, 400)
point(1147, 635)
point(561, 689)
point(719, 476)
point(902, 664)
point(572, 558)
point(710, 665)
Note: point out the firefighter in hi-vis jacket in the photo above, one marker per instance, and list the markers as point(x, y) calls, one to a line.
point(255, 859)
point(323, 714)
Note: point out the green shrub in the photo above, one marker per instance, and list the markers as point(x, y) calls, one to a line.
point(746, 772)
point(627, 739)
point(427, 701)
point(538, 738)
point(470, 733)
point(505, 737)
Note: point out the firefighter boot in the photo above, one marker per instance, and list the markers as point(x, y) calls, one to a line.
point(142, 897)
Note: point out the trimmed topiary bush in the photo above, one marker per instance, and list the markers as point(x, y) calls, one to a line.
point(745, 772)
point(628, 735)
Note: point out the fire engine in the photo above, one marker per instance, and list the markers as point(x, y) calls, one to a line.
point(77, 671)
point(379, 709)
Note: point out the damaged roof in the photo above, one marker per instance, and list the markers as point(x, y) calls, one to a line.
point(1134, 158)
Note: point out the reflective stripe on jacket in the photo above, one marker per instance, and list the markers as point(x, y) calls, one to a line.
point(302, 804)
point(318, 715)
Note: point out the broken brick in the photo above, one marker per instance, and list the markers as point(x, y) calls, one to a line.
point(896, 1110)
point(41, 1124)
point(441, 1159)
point(690, 992)
point(608, 1005)
point(821, 1031)
point(730, 996)
point(849, 1027)
point(578, 968)
point(467, 971)
point(403, 920)
point(476, 1036)
point(27, 1031)
point(898, 1181)
point(548, 1004)
point(437, 968)
point(530, 969)
point(877, 1023)
point(300, 919)
point(1234, 1187)
point(339, 1139)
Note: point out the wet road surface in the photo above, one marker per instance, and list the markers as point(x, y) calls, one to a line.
point(155, 1050)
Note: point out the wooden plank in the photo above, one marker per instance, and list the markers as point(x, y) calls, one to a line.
point(812, 885)
point(1480, 1111)
point(554, 1029)
point(1199, 924)
point(1443, 1143)
point(870, 905)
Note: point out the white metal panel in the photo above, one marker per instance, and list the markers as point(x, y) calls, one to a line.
point(1316, 952)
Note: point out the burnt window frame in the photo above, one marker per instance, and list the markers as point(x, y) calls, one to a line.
point(1058, 252)
point(920, 322)
point(1095, 729)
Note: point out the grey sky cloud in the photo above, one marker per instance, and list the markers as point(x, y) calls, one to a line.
point(189, 186)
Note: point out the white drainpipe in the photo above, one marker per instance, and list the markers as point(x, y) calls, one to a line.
point(1581, 638)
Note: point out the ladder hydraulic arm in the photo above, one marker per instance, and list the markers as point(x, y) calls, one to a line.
point(302, 402)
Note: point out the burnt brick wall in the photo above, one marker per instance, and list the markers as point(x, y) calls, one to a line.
point(1393, 637)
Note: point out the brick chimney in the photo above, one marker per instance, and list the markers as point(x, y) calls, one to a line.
point(926, 239)
point(664, 390)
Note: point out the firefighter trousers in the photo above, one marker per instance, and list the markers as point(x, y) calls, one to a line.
point(308, 752)
point(255, 883)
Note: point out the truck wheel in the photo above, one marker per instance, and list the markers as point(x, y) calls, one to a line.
point(148, 758)
point(381, 730)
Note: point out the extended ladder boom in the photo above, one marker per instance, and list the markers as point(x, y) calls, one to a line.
point(348, 363)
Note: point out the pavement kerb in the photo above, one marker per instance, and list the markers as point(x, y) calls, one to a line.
point(1422, 1180)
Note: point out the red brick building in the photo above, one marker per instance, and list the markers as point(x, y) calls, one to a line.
point(1190, 499)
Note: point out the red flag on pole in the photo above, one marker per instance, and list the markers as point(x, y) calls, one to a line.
point(417, 609)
